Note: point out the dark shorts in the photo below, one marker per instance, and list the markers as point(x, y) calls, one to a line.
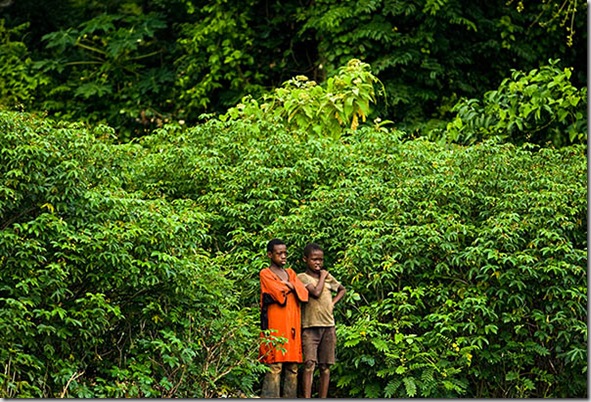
point(318, 344)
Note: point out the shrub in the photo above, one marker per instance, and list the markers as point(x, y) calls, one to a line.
point(106, 293)
point(131, 270)
point(541, 107)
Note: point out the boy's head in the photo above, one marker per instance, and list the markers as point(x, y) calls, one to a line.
point(272, 243)
point(277, 252)
point(314, 257)
point(311, 247)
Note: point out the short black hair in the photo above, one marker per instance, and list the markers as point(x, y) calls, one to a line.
point(311, 247)
point(272, 243)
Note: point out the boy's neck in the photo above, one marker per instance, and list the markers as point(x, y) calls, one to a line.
point(312, 273)
point(277, 267)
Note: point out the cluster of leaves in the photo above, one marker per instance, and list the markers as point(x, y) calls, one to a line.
point(112, 68)
point(541, 107)
point(217, 65)
point(18, 82)
point(344, 101)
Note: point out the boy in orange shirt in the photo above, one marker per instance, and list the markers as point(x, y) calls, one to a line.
point(281, 294)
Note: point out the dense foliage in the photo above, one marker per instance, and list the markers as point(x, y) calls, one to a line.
point(132, 270)
point(137, 65)
point(447, 186)
point(430, 53)
point(104, 292)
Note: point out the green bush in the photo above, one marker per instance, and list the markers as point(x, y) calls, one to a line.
point(132, 270)
point(104, 292)
point(541, 107)
point(343, 101)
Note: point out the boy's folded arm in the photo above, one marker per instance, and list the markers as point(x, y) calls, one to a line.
point(314, 291)
point(274, 288)
point(301, 290)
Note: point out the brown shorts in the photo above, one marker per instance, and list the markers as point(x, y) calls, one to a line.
point(318, 344)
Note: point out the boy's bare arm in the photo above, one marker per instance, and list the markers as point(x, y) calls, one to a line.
point(340, 293)
point(316, 291)
point(288, 284)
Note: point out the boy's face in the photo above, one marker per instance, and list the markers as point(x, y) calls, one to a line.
point(315, 261)
point(279, 255)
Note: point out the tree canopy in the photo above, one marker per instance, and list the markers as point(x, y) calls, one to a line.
point(137, 65)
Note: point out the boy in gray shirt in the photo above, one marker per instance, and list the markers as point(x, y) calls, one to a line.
point(318, 325)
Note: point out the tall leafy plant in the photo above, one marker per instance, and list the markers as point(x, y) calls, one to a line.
point(342, 102)
point(541, 107)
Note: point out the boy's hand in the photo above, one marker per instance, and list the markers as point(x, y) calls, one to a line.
point(323, 273)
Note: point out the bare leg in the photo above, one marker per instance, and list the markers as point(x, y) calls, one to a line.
point(307, 378)
point(271, 382)
point(290, 380)
point(324, 380)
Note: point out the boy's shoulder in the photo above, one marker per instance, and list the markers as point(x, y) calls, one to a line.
point(304, 275)
point(306, 278)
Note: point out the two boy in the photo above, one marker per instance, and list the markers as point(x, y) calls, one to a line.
point(309, 330)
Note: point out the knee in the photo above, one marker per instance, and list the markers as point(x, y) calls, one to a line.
point(310, 365)
point(291, 368)
point(275, 368)
point(324, 368)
